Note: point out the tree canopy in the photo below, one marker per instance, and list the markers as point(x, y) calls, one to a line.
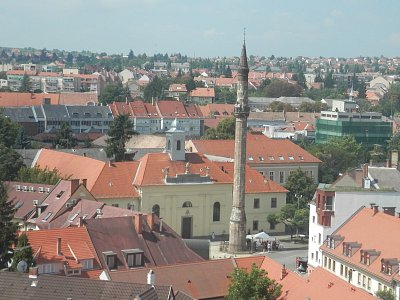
point(253, 285)
point(120, 132)
point(65, 137)
point(7, 227)
point(279, 88)
point(23, 251)
point(37, 175)
point(301, 187)
point(10, 163)
point(225, 130)
point(114, 92)
point(8, 131)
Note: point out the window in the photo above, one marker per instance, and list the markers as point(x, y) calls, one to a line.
point(256, 203)
point(313, 219)
point(48, 268)
point(271, 175)
point(291, 157)
point(73, 217)
point(281, 157)
point(364, 281)
point(271, 157)
point(133, 257)
point(178, 145)
point(115, 205)
point(272, 226)
point(341, 270)
point(187, 204)
point(334, 266)
point(325, 261)
point(273, 202)
point(250, 158)
point(369, 284)
point(255, 225)
point(281, 177)
point(169, 145)
point(359, 279)
point(216, 212)
point(47, 216)
point(111, 259)
point(87, 264)
point(319, 238)
point(156, 210)
point(261, 158)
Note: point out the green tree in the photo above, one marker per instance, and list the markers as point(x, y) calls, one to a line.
point(114, 92)
point(224, 95)
point(22, 141)
point(328, 82)
point(253, 285)
point(38, 175)
point(317, 106)
point(273, 219)
point(26, 85)
point(279, 88)
point(301, 188)
point(225, 130)
point(8, 131)
point(65, 137)
point(385, 295)
point(8, 228)
point(10, 163)
point(23, 251)
point(120, 132)
point(295, 219)
point(280, 106)
point(131, 55)
point(337, 156)
point(300, 78)
point(153, 90)
point(228, 72)
point(362, 90)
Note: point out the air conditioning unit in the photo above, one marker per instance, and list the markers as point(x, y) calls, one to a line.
point(41, 189)
point(17, 187)
point(35, 202)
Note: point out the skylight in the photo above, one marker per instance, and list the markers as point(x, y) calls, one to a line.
point(250, 158)
point(271, 157)
point(73, 217)
point(291, 157)
point(47, 216)
point(281, 157)
point(301, 157)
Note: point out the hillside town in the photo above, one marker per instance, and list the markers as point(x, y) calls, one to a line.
point(176, 177)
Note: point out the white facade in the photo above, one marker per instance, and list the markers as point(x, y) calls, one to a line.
point(345, 204)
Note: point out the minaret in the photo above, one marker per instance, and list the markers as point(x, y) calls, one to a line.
point(237, 227)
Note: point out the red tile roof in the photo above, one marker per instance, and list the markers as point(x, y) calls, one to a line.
point(75, 166)
point(260, 149)
point(375, 234)
point(44, 245)
point(150, 171)
point(175, 87)
point(216, 110)
point(203, 92)
point(116, 180)
point(26, 99)
point(78, 98)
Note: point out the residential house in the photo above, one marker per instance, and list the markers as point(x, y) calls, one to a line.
point(362, 251)
point(202, 95)
point(15, 285)
point(334, 203)
point(274, 159)
point(177, 91)
point(136, 242)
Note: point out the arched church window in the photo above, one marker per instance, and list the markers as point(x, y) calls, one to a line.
point(169, 145)
point(216, 212)
point(156, 210)
point(187, 204)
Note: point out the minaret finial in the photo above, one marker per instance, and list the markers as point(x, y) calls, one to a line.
point(244, 35)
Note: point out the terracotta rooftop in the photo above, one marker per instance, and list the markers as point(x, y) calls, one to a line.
point(203, 92)
point(216, 110)
point(26, 99)
point(75, 246)
point(260, 150)
point(117, 234)
point(375, 234)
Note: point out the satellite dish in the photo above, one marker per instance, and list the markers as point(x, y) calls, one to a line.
point(22, 266)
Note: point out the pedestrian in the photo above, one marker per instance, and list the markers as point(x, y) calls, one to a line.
point(212, 236)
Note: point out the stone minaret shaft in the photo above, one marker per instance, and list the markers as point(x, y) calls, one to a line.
point(237, 227)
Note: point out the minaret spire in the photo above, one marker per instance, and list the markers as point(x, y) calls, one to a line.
point(237, 227)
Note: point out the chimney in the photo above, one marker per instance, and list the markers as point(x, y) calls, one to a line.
point(74, 185)
point(365, 170)
point(161, 221)
point(84, 182)
point(151, 277)
point(59, 246)
point(33, 272)
point(150, 220)
point(375, 209)
point(138, 223)
point(283, 272)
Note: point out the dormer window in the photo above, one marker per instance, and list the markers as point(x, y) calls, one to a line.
point(87, 264)
point(389, 266)
point(261, 158)
point(281, 157)
point(133, 257)
point(111, 259)
point(250, 158)
point(271, 157)
point(59, 194)
point(333, 240)
point(350, 248)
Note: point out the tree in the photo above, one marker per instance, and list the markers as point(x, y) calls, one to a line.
point(362, 90)
point(22, 141)
point(26, 84)
point(153, 90)
point(114, 92)
point(225, 130)
point(224, 95)
point(385, 295)
point(8, 131)
point(328, 82)
point(120, 132)
point(38, 175)
point(8, 228)
point(279, 88)
point(280, 106)
point(10, 163)
point(65, 137)
point(23, 251)
point(337, 156)
point(228, 72)
point(253, 285)
point(301, 188)
point(293, 218)
point(131, 55)
point(273, 219)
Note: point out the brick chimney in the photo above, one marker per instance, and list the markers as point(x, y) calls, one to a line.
point(74, 185)
point(375, 209)
point(138, 223)
point(59, 247)
point(84, 182)
point(33, 272)
point(150, 220)
point(283, 272)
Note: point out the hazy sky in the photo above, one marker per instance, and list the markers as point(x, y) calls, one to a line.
point(205, 28)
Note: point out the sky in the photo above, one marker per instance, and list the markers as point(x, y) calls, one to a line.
point(205, 28)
